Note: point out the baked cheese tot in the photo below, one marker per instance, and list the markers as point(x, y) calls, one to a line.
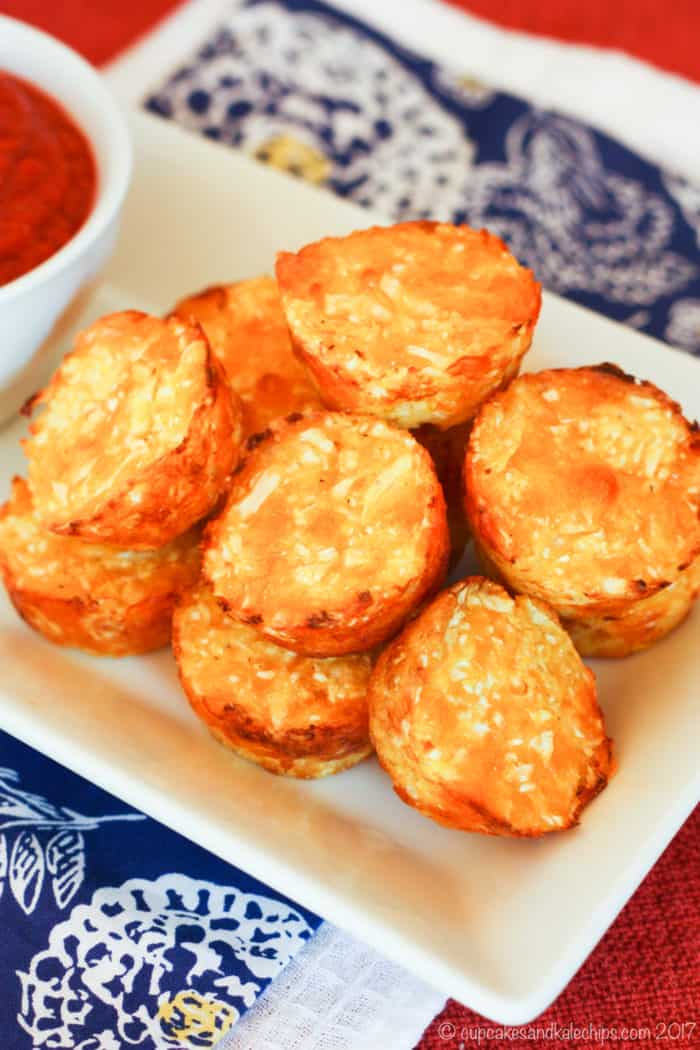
point(485, 717)
point(138, 435)
point(334, 530)
point(248, 333)
point(296, 715)
point(106, 601)
point(415, 323)
point(583, 489)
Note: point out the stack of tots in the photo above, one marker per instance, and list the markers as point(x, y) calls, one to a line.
point(371, 389)
point(138, 438)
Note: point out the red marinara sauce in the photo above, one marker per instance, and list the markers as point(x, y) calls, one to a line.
point(48, 177)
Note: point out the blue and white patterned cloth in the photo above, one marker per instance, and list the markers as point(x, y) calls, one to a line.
point(313, 91)
point(115, 931)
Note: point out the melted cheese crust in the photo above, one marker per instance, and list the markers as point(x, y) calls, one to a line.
point(106, 601)
point(485, 718)
point(583, 488)
point(335, 528)
point(297, 715)
point(416, 323)
point(248, 333)
point(138, 436)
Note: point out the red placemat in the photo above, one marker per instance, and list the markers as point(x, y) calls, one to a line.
point(662, 33)
point(99, 31)
point(641, 986)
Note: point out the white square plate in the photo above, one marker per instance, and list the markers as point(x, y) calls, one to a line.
point(502, 925)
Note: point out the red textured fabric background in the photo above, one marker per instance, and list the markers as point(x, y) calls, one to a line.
point(645, 974)
point(665, 33)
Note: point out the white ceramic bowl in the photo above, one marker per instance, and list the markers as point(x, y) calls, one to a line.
point(31, 305)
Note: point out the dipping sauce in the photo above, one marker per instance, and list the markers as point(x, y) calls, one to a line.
point(47, 177)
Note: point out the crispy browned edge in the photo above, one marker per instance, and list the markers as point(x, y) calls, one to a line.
point(614, 635)
point(476, 818)
point(341, 391)
point(323, 634)
point(314, 751)
point(459, 811)
point(144, 626)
